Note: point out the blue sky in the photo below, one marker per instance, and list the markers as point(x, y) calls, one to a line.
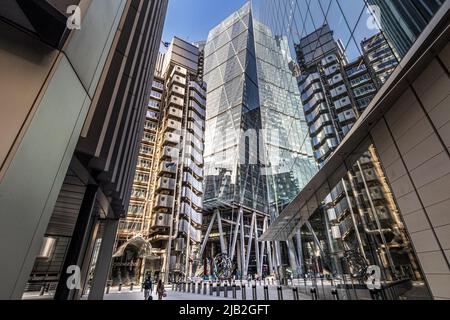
point(191, 20)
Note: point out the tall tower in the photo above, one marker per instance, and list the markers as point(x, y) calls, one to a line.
point(177, 173)
point(163, 229)
point(257, 154)
point(403, 21)
point(359, 211)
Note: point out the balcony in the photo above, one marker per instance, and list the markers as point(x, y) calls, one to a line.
point(166, 184)
point(164, 202)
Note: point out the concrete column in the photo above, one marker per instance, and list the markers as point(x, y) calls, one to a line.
point(103, 264)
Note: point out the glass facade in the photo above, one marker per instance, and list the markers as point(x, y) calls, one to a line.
point(403, 20)
point(344, 51)
point(257, 152)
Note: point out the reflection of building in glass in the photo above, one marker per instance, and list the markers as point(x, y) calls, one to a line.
point(403, 21)
point(166, 201)
point(353, 204)
point(335, 93)
point(258, 155)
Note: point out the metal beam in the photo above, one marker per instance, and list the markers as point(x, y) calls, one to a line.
point(223, 245)
point(205, 240)
point(250, 239)
point(235, 235)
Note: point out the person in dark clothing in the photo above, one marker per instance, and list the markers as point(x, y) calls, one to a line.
point(160, 290)
point(148, 287)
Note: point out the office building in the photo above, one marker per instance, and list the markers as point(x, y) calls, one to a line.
point(402, 127)
point(257, 152)
point(131, 243)
point(71, 120)
point(403, 21)
point(162, 233)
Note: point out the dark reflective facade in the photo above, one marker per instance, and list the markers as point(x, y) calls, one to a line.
point(345, 51)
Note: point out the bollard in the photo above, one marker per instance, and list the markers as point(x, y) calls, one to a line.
point(295, 294)
point(335, 294)
point(120, 287)
point(205, 288)
point(173, 286)
point(266, 292)
point(210, 288)
point(244, 292)
point(234, 291)
point(225, 293)
point(184, 286)
point(314, 293)
point(280, 293)
point(193, 287)
point(199, 288)
point(108, 287)
point(218, 289)
point(132, 286)
point(254, 293)
point(189, 287)
point(142, 288)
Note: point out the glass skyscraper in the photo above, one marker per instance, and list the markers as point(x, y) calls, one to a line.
point(404, 20)
point(345, 52)
point(257, 152)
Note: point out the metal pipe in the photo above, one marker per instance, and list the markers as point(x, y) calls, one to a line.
point(358, 236)
point(388, 252)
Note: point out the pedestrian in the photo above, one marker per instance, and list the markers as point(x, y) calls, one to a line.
point(160, 290)
point(148, 287)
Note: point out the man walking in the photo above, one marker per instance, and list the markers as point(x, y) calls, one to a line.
point(148, 287)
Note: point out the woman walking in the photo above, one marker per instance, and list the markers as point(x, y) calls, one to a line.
point(160, 290)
